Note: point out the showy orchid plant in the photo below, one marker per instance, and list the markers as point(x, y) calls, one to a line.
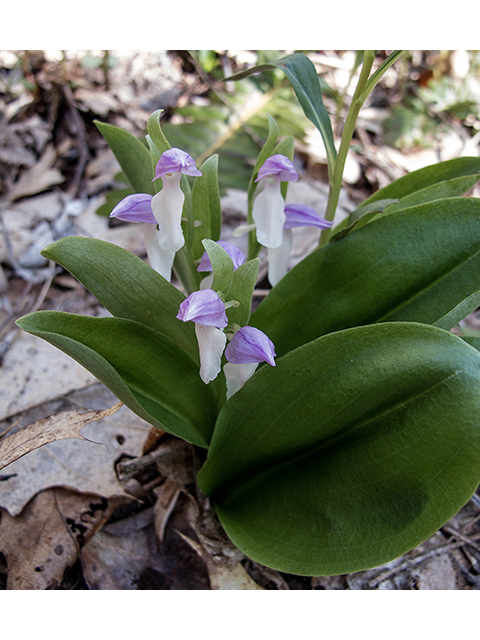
point(340, 418)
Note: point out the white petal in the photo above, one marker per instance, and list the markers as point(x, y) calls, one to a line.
point(211, 344)
point(207, 282)
point(160, 260)
point(236, 375)
point(167, 208)
point(278, 258)
point(268, 214)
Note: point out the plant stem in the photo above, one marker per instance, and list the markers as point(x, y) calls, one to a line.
point(349, 128)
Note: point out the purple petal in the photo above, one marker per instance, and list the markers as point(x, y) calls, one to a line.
point(250, 345)
point(301, 215)
point(236, 254)
point(203, 307)
point(280, 166)
point(135, 208)
point(174, 160)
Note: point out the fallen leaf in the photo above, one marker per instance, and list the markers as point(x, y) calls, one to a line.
point(86, 465)
point(39, 177)
point(124, 556)
point(167, 495)
point(46, 538)
point(61, 426)
point(224, 575)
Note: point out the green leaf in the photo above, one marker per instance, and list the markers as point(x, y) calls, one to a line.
point(160, 376)
point(243, 283)
point(222, 266)
point(155, 132)
point(206, 206)
point(459, 312)
point(306, 84)
point(351, 451)
point(377, 75)
point(414, 265)
point(445, 189)
point(360, 216)
point(125, 285)
point(426, 177)
point(132, 155)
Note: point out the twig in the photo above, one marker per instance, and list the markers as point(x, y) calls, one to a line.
point(81, 135)
point(411, 562)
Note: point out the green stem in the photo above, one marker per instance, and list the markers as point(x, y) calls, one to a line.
point(349, 128)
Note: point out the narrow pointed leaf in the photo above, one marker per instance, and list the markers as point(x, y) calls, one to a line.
point(141, 366)
point(132, 155)
point(414, 265)
point(426, 177)
point(305, 82)
point(155, 131)
point(243, 284)
point(354, 449)
point(222, 266)
point(207, 210)
point(125, 285)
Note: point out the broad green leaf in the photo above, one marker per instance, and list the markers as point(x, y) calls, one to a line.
point(445, 189)
point(473, 341)
point(125, 285)
point(160, 376)
point(243, 283)
point(354, 449)
point(132, 155)
point(222, 266)
point(360, 216)
point(426, 177)
point(207, 210)
point(414, 265)
point(305, 82)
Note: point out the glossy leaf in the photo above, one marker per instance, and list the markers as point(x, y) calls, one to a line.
point(207, 210)
point(426, 177)
point(351, 451)
point(132, 155)
point(125, 285)
point(413, 265)
point(135, 361)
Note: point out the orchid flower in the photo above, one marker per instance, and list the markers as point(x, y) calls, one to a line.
point(207, 310)
point(236, 254)
point(248, 347)
point(296, 215)
point(268, 207)
point(163, 209)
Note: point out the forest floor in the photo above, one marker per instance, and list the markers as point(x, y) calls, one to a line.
point(117, 508)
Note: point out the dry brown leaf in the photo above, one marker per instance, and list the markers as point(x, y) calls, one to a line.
point(46, 538)
point(39, 177)
point(167, 495)
point(61, 426)
point(223, 575)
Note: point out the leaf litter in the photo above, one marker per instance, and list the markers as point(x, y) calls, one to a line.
point(119, 509)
